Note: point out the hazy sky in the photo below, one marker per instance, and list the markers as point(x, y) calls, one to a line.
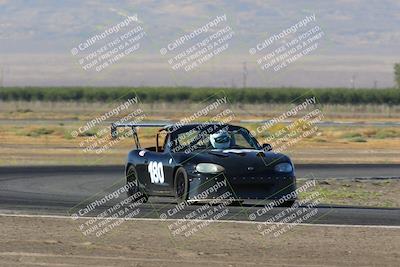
point(358, 46)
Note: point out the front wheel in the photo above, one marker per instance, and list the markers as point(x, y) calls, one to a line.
point(134, 188)
point(181, 185)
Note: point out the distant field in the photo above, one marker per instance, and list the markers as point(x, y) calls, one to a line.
point(390, 96)
point(75, 110)
point(38, 132)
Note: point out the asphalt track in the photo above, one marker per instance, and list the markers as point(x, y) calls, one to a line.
point(66, 190)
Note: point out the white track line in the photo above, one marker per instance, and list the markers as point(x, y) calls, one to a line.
point(215, 221)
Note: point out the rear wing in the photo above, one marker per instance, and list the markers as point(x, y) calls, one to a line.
point(133, 126)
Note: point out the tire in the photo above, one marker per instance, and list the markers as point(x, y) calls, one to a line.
point(181, 185)
point(131, 176)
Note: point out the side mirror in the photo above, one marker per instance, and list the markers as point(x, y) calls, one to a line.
point(114, 131)
point(267, 147)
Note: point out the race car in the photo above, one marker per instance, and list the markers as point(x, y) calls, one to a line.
point(203, 161)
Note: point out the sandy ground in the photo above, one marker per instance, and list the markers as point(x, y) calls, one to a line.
point(58, 242)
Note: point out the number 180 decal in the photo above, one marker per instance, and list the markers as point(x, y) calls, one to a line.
point(156, 172)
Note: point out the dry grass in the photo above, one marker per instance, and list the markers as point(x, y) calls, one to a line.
point(86, 111)
point(53, 144)
point(40, 133)
point(371, 193)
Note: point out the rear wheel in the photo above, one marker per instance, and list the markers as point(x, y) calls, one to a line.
point(133, 182)
point(181, 185)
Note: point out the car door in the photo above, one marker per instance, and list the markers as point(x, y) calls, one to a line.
point(159, 170)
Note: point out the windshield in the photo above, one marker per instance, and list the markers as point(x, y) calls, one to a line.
point(201, 139)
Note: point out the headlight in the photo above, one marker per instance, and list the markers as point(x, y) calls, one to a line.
point(209, 168)
point(284, 167)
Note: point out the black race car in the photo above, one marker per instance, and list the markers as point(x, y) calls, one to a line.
point(201, 162)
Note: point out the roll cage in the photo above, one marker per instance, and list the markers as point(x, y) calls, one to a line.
point(165, 129)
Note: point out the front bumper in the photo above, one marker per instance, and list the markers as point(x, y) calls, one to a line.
point(209, 186)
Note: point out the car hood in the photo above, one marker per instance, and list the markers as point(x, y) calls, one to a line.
point(239, 161)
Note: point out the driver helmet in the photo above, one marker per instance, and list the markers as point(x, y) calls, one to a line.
point(220, 140)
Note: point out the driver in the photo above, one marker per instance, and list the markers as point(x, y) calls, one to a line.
point(220, 140)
